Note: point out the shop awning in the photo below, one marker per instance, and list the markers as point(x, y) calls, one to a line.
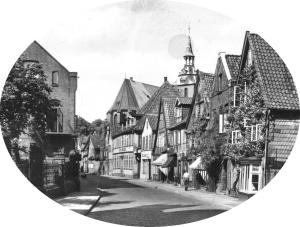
point(164, 171)
point(197, 164)
point(171, 162)
point(160, 160)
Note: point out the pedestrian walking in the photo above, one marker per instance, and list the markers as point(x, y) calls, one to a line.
point(186, 179)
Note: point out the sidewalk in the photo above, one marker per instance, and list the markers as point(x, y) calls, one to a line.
point(218, 200)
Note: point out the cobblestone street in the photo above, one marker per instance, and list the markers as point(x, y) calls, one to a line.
point(128, 202)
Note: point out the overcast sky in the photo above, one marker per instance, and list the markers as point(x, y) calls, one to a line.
point(143, 39)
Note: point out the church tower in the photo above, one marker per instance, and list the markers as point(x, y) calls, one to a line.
point(187, 76)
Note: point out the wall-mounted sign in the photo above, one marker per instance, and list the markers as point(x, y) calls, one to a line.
point(146, 155)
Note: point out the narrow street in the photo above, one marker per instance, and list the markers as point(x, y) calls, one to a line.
point(127, 203)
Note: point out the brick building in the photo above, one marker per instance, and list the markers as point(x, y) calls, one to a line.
point(60, 138)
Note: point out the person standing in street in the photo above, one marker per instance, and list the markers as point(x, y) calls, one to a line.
point(186, 180)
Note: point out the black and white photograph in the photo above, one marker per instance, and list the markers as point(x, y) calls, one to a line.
point(148, 113)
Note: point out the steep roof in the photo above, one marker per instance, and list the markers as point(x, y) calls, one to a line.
point(168, 110)
point(277, 83)
point(284, 135)
point(132, 95)
point(32, 53)
point(189, 48)
point(165, 90)
point(233, 63)
point(208, 81)
point(151, 108)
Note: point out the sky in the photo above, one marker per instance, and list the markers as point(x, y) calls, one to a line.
point(143, 39)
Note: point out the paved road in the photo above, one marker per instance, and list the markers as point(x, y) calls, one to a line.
point(129, 204)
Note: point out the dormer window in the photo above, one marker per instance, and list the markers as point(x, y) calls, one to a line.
point(55, 78)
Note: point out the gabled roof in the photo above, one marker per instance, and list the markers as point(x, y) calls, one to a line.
point(277, 84)
point(132, 95)
point(31, 53)
point(151, 108)
point(208, 81)
point(152, 119)
point(168, 110)
point(233, 63)
point(165, 90)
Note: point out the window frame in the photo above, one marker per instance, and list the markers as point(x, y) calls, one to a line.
point(55, 78)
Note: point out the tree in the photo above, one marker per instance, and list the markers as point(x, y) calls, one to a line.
point(208, 144)
point(25, 103)
point(82, 126)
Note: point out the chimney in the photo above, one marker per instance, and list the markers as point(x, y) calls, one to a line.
point(165, 79)
point(131, 78)
point(222, 53)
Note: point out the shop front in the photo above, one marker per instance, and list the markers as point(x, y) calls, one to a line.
point(161, 172)
point(250, 180)
point(145, 172)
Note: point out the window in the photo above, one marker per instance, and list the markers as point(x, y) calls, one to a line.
point(55, 78)
point(185, 92)
point(178, 112)
point(236, 136)
point(223, 122)
point(143, 145)
point(220, 82)
point(250, 178)
point(55, 120)
point(254, 132)
point(236, 96)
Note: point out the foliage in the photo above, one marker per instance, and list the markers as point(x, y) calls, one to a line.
point(207, 144)
point(243, 150)
point(25, 102)
point(82, 126)
point(85, 128)
point(251, 109)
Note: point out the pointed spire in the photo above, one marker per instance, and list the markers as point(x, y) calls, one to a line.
point(189, 48)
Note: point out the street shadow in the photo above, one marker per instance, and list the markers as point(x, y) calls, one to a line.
point(103, 204)
point(154, 215)
point(109, 183)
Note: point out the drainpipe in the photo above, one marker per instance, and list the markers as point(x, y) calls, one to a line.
point(266, 147)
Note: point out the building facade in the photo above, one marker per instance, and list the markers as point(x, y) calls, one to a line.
point(122, 116)
point(61, 137)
